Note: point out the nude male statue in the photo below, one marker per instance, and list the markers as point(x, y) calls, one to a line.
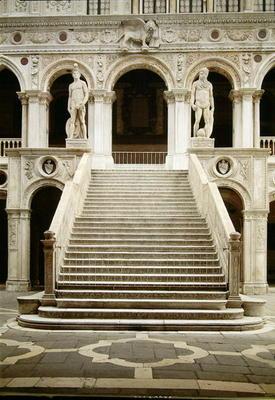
point(202, 102)
point(78, 97)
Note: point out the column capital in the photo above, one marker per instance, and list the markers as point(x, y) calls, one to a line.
point(23, 98)
point(258, 95)
point(177, 95)
point(33, 95)
point(235, 96)
point(45, 97)
point(255, 214)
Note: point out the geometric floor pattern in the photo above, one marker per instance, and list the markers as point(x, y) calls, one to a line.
point(137, 363)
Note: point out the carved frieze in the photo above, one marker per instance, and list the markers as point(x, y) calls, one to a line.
point(243, 169)
point(40, 37)
point(239, 35)
point(86, 37)
point(59, 5)
point(21, 5)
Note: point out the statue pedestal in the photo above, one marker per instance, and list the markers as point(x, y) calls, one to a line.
point(202, 142)
point(77, 143)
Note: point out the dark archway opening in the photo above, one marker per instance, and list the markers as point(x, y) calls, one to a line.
point(3, 242)
point(222, 128)
point(10, 105)
point(235, 207)
point(267, 105)
point(58, 111)
point(271, 244)
point(140, 112)
point(43, 207)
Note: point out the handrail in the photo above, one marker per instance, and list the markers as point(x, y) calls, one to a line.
point(212, 208)
point(69, 207)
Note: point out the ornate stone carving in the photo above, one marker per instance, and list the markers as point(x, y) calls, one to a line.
point(12, 234)
point(189, 35)
point(260, 234)
point(3, 37)
point(35, 71)
point(40, 37)
point(180, 62)
point(247, 67)
point(243, 165)
point(59, 5)
point(68, 166)
point(202, 103)
point(28, 169)
point(86, 37)
point(169, 35)
point(239, 36)
point(139, 34)
point(108, 36)
point(99, 71)
point(20, 5)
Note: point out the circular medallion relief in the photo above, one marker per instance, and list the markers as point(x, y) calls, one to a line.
point(48, 166)
point(16, 38)
point(63, 37)
point(262, 34)
point(223, 166)
point(215, 35)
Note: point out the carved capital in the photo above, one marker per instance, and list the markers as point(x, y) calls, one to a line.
point(255, 214)
point(97, 96)
point(235, 96)
point(33, 95)
point(23, 98)
point(45, 98)
point(177, 95)
point(258, 95)
point(110, 97)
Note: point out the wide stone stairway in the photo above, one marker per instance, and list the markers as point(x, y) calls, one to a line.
point(140, 256)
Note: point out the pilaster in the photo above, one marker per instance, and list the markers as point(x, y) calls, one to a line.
point(24, 102)
point(178, 128)
point(254, 247)
point(19, 249)
point(256, 104)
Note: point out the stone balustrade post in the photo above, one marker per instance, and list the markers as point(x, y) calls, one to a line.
point(234, 262)
point(48, 298)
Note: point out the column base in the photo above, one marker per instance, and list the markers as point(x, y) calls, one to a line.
point(48, 300)
point(77, 143)
point(177, 162)
point(234, 302)
point(254, 288)
point(17, 286)
point(202, 142)
point(102, 162)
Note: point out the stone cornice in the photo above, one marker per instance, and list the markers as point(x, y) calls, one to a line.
point(113, 21)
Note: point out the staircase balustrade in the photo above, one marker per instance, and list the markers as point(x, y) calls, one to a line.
point(69, 206)
point(9, 143)
point(130, 157)
point(268, 142)
point(212, 207)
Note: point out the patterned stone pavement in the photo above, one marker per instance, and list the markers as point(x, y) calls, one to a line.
point(183, 364)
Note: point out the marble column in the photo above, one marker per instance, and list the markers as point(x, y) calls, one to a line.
point(254, 248)
point(24, 102)
point(179, 115)
point(102, 129)
point(236, 98)
point(247, 117)
point(19, 249)
point(256, 102)
point(44, 100)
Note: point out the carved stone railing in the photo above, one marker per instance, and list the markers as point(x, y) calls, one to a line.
point(212, 208)
point(268, 142)
point(9, 143)
point(139, 157)
point(69, 207)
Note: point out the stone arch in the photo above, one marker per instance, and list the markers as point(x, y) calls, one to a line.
point(34, 187)
point(62, 67)
point(7, 63)
point(219, 65)
point(131, 62)
point(238, 188)
point(267, 66)
point(271, 196)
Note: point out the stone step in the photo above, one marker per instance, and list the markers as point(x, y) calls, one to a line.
point(148, 221)
point(117, 235)
point(125, 198)
point(153, 286)
point(139, 313)
point(140, 277)
point(136, 249)
point(140, 207)
point(109, 303)
point(138, 214)
point(124, 241)
point(141, 255)
point(139, 204)
point(136, 232)
point(142, 294)
point(76, 261)
point(111, 324)
point(142, 269)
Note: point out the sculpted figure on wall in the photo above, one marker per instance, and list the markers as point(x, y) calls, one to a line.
point(139, 32)
point(202, 102)
point(78, 97)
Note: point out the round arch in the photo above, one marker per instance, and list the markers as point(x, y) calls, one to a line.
point(219, 65)
point(124, 65)
point(6, 63)
point(267, 66)
point(34, 187)
point(240, 190)
point(63, 67)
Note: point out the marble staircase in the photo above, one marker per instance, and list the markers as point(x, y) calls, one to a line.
point(140, 256)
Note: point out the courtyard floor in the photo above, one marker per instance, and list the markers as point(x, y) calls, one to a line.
point(168, 364)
